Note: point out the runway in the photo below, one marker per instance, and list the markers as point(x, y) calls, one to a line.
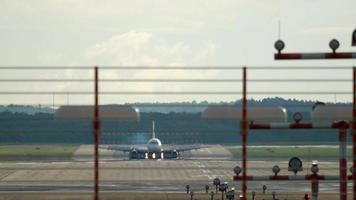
point(117, 174)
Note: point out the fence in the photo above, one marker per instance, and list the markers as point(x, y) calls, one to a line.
point(44, 86)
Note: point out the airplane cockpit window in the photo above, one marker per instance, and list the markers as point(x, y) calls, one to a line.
point(154, 142)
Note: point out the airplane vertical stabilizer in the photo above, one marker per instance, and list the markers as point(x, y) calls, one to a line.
point(153, 129)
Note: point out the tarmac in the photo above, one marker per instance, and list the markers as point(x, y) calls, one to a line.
point(118, 174)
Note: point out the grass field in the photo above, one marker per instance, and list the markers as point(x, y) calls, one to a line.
point(284, 153)
point(36, 153)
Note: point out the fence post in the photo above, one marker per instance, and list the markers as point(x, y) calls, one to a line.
point(244, 127)
point(96, 127)
point(354, 133)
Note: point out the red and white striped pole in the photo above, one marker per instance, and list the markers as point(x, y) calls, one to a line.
point(314, 56)
point(289, 178)
point(343, 164)
point(244, 133)
point(286, 125)
point(354, 134)
point(96, 127)
point(315, 188)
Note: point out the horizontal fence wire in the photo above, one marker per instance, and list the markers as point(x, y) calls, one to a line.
point(174, 93)
point(176, 67)
point(176, 80)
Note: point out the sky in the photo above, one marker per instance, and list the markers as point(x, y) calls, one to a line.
point(171, 33)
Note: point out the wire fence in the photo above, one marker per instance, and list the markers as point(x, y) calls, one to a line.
point(175, 98)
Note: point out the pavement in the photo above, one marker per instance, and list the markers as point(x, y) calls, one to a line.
point(118, 174)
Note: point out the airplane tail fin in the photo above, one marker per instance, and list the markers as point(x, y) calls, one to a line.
point(153, 129)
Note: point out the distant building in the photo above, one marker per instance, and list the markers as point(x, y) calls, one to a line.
point(107, 112)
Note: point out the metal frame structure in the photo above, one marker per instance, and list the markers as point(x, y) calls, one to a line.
point(342, 126)
point(334, 45)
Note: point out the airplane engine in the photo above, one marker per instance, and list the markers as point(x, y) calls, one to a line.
point(133, 154)
point(175, 154)
point(171, 154)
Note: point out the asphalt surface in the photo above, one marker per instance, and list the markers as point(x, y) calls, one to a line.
point(117, 174)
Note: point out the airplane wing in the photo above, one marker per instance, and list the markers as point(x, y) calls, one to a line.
point(181, 148)
point(123, 148)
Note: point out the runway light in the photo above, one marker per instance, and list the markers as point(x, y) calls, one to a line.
point(276, 170)
point(315, 169)
point(191, 195)
point(237, 170)
point(207, 188)
point(187, 187)
point(297, 117)
point(295, 165)
point(279, 45)
point(212, 195)
point(274, 195)
point(253, 195)
point(352, 169)
point(230, 194)
point(216, 181)
point(354, 38)
point(334, 45)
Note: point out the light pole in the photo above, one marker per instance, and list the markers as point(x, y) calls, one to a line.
point(187, 188)
point(206, 189)
point(191, 195)
point(216, 182)
point(253, 195)
point(274, 195)
point(334, 45)
point(211, 195)
point(230, 195)
point(223, 187)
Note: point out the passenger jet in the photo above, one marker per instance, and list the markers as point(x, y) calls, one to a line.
point(154, 149)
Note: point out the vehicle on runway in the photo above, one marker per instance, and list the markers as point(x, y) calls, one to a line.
point(154, 149)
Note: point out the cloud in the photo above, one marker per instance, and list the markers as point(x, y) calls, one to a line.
point(135, 48)
point(140, 48)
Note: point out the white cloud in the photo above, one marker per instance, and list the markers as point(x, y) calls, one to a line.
point(136, 48)
point(139, 48)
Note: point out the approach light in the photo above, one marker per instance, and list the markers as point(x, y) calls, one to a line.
point(223, 187)
point(295, 165)
point(237, 170)
point(279, 45)
point(354, 38)
point(253, 195)
point(216, 181)
point(334, 45)
point(212, 194)
point(314, 169)
point(191, 194)
point(230, 194)
point(274, 194)
point(314, 162)
point(187, 187)
point(297, 117)
point(276, 170)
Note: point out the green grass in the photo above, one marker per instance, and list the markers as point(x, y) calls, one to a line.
point(33, 152)
point(284, 153)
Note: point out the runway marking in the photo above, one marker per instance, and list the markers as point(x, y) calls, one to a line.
point(206, 172)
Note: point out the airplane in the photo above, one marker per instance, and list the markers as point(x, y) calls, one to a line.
point(154, 149)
